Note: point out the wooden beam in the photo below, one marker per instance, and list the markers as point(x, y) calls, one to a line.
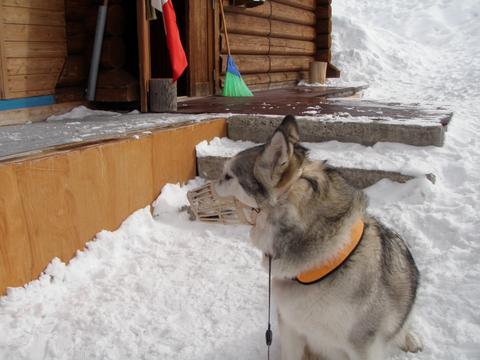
point(303, 4)
point(143, 33)
point(39, 113)
point(260, 45)
point(248, 64)
point(24, 32)
point(277, 11)
point(324, 41)
point(324, 12)
point(324, 26)
point(251, 25)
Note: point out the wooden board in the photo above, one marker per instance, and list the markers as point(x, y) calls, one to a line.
point(35, 4)
point(25, 32)
point(13, 15)
point(24, 66)
point(265, 63)
point(85, 190)
point(250, 25)
point(259, 45)
point(39, 113)
point(201, 47)
point(277, 11)
point(32, 47)
point(145, 70)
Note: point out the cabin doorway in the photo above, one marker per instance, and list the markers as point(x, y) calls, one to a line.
point(160, 59)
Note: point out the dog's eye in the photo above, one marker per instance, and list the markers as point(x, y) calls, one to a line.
point(228, 177)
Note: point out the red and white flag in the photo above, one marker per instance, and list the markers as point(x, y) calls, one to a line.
point(174, 44)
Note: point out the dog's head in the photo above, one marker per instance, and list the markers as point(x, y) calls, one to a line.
point(253, 174)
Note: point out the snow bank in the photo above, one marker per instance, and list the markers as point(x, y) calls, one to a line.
point(165, 288)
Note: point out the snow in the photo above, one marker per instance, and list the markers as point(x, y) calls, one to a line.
point(404, 159)
point(162, 287)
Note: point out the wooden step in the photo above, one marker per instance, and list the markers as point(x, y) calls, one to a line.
point(323, 119)
point(211, 158)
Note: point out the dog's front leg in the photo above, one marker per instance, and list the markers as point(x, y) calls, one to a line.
point(292, 344)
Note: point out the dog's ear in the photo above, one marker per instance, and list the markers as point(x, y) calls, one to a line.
point(277, 154)
point(289, 128)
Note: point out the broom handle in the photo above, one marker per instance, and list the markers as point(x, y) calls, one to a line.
point(224, 26)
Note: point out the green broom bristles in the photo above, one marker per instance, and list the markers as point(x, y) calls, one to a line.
point(234, 84)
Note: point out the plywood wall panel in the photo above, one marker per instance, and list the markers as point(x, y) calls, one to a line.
point(51, 206)
point(14, 239)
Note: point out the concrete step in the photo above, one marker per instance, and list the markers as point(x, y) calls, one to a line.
point(343, 127)
point(323, 119)
point(361, 166)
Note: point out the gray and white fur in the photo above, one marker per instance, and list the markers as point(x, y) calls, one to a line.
point(362, 309)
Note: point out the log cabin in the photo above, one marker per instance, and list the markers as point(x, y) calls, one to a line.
point(57, 192)
point(46, 46)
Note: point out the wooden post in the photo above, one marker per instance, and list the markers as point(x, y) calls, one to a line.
point(318, 72)
point(143, 30)
point(163, 95)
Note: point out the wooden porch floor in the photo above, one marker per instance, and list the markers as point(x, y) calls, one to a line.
point(309, 101)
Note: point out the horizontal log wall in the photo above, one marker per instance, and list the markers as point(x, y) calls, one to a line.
point(52, 205)
point(32, 47)
point(272, 44)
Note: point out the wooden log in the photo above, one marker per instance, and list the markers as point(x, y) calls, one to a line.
point(113, 53)
point(318, 72)
point(116, 86)
point(324, 26)
point(76, 38)
point(68, 94)
point(273, 85)
point(163, 95)
point(268, 63)
point(333, 71)
point(323, 55)
point(303, 4)
point(74, 72)
point(324, 2)
point(250, 25)
point(76, 10)
point(324, 41)
point(116, 20)
point(251, 44)
point(324, 12)
point(275, 77)
point(277, 11)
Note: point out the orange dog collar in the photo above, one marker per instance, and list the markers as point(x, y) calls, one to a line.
point(318, 273)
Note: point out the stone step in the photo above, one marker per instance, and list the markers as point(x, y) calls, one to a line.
point(361, 174)
point(365, 130)
point(323, 119)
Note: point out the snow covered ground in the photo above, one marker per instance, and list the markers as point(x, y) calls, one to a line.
point(162, 287)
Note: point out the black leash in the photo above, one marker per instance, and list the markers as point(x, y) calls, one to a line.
point(268, 333)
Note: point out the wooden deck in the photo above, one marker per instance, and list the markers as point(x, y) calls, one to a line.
point(309, 101)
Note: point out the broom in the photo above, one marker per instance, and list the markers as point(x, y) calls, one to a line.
point(234, 84)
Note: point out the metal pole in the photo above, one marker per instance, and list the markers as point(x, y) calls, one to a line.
point(97, 51)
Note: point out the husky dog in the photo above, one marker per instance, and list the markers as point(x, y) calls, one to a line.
point(306, 215)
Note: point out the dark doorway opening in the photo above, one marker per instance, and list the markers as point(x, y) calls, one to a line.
point(160, 59)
